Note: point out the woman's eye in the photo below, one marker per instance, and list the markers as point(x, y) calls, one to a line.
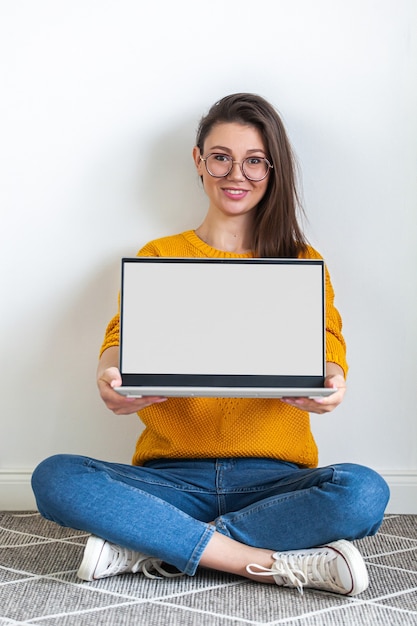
point(223, 158)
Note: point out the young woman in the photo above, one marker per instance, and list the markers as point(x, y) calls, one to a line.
point(229, 484)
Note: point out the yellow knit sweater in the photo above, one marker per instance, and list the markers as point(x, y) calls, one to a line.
point(228, 427)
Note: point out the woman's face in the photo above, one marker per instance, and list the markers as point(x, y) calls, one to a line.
point(234, 194)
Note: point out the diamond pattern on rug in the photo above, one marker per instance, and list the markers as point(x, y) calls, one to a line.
point(38, 585)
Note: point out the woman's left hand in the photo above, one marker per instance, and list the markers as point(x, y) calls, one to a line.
point(321, 405)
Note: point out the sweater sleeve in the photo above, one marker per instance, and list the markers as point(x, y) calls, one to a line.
point(335, 342)
point(111, 336)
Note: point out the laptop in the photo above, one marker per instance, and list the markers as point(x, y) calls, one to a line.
point(246, 328)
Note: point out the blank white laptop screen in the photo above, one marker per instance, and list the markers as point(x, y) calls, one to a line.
point(243, 327)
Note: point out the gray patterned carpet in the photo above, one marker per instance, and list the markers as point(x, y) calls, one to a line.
point(38, 585)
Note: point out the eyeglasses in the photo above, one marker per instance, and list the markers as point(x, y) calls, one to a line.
point(253, 168)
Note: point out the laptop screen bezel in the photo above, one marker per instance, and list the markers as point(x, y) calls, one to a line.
point(167, 379)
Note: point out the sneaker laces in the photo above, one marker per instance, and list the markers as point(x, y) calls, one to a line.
point(156, 565)
point(283, 574)
point(123, 560)
point(301, 570)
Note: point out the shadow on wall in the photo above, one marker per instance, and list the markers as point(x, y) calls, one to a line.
point(171, 195)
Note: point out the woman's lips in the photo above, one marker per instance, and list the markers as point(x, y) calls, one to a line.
point(235, 194)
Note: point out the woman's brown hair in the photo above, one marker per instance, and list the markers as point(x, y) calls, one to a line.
point(277, 232)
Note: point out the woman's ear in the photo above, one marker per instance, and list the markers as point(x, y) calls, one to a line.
point(197, 160)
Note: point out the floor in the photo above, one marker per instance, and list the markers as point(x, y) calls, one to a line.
point(38, 585)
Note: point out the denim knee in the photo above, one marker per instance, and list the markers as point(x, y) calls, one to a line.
point(51, 484)
point(365, 497)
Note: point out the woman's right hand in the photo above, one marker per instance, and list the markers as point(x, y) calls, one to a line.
point(108, 377)
point(121, 405)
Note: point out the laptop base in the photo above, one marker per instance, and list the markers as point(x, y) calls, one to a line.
point(225, 392)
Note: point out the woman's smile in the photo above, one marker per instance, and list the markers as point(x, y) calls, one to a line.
point(235, 193)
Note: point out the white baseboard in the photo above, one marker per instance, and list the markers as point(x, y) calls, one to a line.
point(16, 493)
point(403, 486)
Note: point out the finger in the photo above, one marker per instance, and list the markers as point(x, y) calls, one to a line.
point(316, 405)
point(111, 376)
point(126, 406)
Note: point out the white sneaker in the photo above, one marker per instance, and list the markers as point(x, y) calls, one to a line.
point(336, 567)
point(102, 559)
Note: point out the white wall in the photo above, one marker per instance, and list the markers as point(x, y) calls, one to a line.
point(99, 105)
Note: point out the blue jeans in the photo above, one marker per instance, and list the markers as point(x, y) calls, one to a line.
point(163, 509)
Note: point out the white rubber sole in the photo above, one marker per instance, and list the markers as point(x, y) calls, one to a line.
point(92, 552)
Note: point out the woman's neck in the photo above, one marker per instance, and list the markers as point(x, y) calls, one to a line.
point(230, 236)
